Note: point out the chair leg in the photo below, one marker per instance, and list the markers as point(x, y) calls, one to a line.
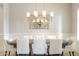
point(30, 53)
point(9, 53)
point(16, 53)
point(62, 54)
point(73, 53)
point(44, 54)
point(70, 53)
point(5, 53)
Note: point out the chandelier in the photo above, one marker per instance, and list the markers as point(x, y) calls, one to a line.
point(39, 19)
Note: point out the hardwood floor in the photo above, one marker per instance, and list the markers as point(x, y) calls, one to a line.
point(66, 53)
point(2, 53)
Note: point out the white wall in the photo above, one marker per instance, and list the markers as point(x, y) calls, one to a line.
point(19, 22)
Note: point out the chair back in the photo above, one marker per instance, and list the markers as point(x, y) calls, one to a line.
point(39, 46)
point(55, 47)
point(22, 46)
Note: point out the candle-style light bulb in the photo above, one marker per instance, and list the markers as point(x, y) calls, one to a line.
point(28, 14)
point(44, 13)
point(35, 13)
point(51, 14)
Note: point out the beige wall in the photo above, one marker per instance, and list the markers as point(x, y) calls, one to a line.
point(19, 22)
point(1, 27)
point(18, 18)
point(74, 18)
point(1, 19)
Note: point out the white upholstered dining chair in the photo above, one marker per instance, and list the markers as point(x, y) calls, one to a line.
point(22, 46)
point(71, 47)
point(55, 47)
point(39, 46)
